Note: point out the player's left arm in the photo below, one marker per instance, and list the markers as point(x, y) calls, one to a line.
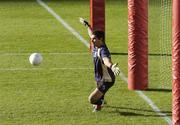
point(107, 61)
point(86, 24)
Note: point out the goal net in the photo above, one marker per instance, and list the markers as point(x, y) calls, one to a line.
point(160, 25)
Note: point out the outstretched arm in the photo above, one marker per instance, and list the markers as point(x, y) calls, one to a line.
point(86, 24)
point(107, 61)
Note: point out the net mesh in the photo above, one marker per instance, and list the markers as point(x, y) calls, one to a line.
point(160, 12)
point(165, 43)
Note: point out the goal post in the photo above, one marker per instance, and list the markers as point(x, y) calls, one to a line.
point(176, 62)
point(137, 44)
point(97, 14)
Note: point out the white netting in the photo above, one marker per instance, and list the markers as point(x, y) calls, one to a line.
point(160, 43)
point(165, 44)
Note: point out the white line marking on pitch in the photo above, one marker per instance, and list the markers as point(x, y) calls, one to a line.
point(141, 94)
point(66, 25)
point(35, 69)
point(149, 101)
point(25, 54)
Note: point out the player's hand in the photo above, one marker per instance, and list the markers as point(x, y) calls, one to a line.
point(84, 22)
point(115, 69)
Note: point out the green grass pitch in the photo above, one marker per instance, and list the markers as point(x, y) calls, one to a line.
point(56, 92)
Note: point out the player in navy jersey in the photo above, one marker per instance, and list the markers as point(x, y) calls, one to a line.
point(104, 70)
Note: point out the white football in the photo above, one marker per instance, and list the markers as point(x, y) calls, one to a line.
point(35, 59)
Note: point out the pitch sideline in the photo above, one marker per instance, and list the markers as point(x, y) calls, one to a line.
point(123, 77)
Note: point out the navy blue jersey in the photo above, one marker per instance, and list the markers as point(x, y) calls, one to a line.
point(102, 72)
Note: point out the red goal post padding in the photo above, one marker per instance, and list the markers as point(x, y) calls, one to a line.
point(137, 44)
point(176, 62)
point(97, 16)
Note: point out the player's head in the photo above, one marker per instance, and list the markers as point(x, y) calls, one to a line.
point(98, 38)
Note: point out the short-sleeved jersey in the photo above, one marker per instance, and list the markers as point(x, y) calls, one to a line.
point(102, 72)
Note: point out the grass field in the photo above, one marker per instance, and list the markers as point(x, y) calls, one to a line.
point(56, 92)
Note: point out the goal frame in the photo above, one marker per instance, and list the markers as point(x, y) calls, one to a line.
point(138, 46)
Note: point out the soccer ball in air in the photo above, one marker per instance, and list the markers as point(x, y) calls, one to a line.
point(35, 59)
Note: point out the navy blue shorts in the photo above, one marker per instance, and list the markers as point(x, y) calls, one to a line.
point(104, 86)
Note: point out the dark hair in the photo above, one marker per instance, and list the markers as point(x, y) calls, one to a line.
point(99, 34)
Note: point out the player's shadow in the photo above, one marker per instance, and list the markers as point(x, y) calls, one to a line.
point(150, 54)
point(16, 0)
point(124, 111)
point(159, 90)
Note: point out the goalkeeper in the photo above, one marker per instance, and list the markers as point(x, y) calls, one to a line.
point(105, 71)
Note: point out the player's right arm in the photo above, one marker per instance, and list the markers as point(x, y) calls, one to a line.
point(86, 24)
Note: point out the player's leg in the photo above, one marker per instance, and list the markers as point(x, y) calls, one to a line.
point(95, 96)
